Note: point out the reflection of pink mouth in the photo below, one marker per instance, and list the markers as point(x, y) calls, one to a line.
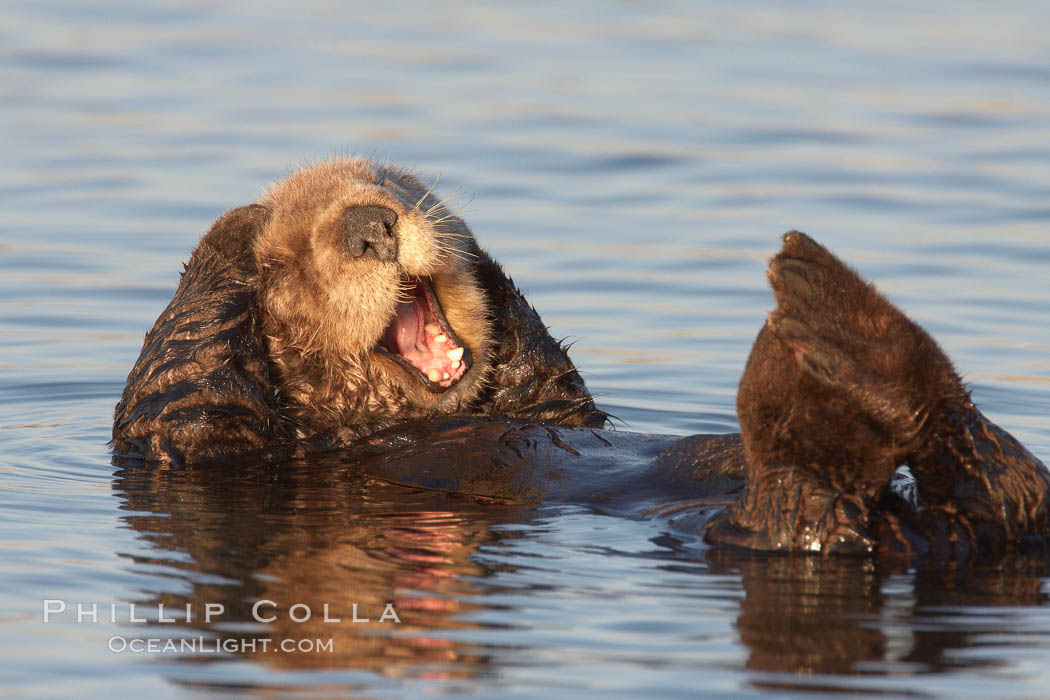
point(419, 337)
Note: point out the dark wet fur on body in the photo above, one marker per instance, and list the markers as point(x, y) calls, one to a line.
point(840, 390)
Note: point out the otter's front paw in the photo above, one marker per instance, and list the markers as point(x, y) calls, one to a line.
point(788, 510)
point(843, 540)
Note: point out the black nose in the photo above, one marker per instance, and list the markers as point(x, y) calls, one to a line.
point(370, 232)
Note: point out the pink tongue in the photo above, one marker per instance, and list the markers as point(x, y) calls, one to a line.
point(408, 327)
point(423, 344)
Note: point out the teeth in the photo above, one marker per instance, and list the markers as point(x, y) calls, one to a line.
point(455, 355)
point(455, 365)
point(433, 375)
point(432, 328)
point(440, 338)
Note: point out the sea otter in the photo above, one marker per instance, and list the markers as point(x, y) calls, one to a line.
point(347, 299)
point(349, 308)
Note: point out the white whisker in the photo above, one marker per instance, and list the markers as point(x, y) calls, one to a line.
point(427, 193)
point(443, 201)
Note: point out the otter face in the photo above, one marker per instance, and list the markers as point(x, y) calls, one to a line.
point(364, 273)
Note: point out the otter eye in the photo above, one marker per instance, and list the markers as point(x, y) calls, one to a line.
point(370, 232)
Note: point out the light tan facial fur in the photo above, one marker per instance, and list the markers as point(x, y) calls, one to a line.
point(324, 311)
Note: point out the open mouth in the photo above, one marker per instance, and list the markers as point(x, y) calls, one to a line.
point(420, 338)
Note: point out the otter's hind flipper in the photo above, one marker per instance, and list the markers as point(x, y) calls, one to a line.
point(816, 414)
point(840, 389)
point(855, 343)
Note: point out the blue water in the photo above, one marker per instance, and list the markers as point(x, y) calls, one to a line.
point(632, 165)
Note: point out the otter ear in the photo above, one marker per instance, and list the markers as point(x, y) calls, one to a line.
point(233, 234)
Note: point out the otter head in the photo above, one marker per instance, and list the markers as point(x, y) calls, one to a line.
point(367, 286)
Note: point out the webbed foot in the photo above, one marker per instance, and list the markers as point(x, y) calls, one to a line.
point(842, 388)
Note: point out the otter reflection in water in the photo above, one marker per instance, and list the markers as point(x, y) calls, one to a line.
point(349, 309)
point(479, 592)
point(259, 540)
